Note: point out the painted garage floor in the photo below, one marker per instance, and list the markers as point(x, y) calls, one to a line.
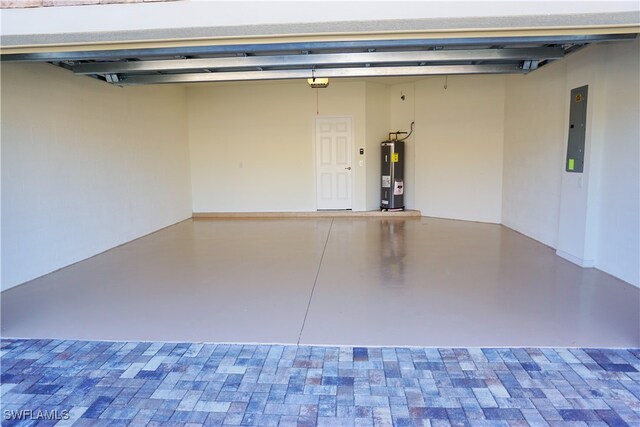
point(93, 383)
point(342, 281)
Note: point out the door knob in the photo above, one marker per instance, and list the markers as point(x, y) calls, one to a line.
point(348, 168)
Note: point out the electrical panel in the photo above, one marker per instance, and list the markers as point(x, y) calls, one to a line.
point(577, 130)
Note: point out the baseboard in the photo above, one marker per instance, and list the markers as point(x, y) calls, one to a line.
point(311, 214)
point(585, 263)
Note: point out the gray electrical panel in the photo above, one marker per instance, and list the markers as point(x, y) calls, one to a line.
point(577, 129)
point(392, 190)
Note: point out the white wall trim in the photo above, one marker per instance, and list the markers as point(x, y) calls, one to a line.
point(584, 263)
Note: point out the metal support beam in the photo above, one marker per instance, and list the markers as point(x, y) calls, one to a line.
point(330, 72)
point(231, 49)
point(329, 59)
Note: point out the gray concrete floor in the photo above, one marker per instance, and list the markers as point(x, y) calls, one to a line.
point(342, 281)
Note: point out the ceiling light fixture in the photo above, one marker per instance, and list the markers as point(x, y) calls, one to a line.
point(317, 82)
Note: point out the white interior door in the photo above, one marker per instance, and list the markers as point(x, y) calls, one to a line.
point(334, 147)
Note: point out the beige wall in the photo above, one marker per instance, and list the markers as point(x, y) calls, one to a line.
point(533, 152)
point(86, 166)
point(599, 217)
point(252, 144)
point(258, 138)
point(454, 167)
point(591, 218)
point(377, 129)
point(402, 113)
point(618, 222)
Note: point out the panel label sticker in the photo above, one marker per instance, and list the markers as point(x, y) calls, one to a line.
point(386, 181)
point(394, 157)
point(398, 187)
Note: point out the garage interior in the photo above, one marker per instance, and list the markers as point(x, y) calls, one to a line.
point(160, 184)
point(96, 152)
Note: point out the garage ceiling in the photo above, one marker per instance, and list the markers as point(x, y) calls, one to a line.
point(301, 60)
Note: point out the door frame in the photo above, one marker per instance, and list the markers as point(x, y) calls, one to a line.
point(315, 160)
